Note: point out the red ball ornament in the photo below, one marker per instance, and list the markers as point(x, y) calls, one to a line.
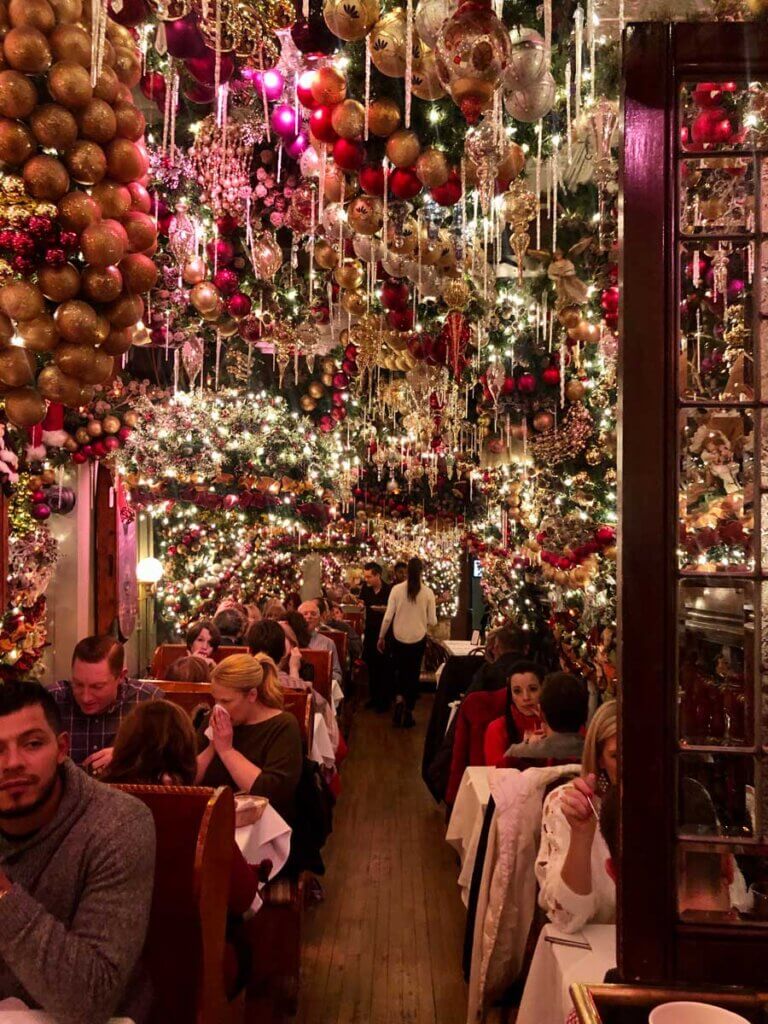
point(340, 381)
point(153, 86)
point(526, 383)
point(124, 433)
point(338, 413)
point(251, 329)
point(404, 183)
point(449, 193)
point(400, 319)
point(371, 178)
point(349, 367)
point(304, 90)
point(111, 443)
point(337, 398)
point(321, 126)
point(711, 126)
point(551, 376)
point(609, 300)
point(509, 386)
point(326, 423)
point(99, 449)
point(41, 511)
point(349, 154)
point(227, 224)
point(220, 251)
point(351, 351)
point(395, 294)
point(226, 281)
point(79, 457)
point(239, 305)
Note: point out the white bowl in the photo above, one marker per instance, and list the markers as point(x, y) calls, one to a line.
point(693, 1013)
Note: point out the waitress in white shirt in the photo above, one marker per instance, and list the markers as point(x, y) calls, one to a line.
point(410, 611)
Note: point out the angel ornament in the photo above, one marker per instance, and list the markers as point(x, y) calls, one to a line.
point(570, 289)
point(717, 456)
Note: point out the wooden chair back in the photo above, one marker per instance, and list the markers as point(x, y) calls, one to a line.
point(356, 620)
point(322, 664)
point(166, 654)
point(189, 697)
point(185, 943)
point(341, 640)
point(300, 705)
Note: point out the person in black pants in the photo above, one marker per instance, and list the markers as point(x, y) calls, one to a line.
point(410, 611)
point(374, 596)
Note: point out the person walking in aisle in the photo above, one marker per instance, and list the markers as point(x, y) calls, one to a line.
point(373, 597)
point(410, 611)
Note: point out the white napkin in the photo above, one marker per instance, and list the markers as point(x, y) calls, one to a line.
point(220, 713)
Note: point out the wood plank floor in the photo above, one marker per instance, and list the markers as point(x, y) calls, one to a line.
point(384, 947)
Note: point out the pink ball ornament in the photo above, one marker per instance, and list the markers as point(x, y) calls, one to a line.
point(285, 121)
point(326, 423)
point(87, 450)
point(221, 251)
point(41, 511)
point(37, 497)
point(271, 84)
point(295, 147)
point(184, 39)
point(239, 306)
point(526, 383)
point(231, 501)
point(111, 443)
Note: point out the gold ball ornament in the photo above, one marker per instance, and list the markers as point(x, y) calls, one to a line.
point(543, 421)
point(141, 200)
point(386, 44)
point(70, 85)
point(25, 407)
point(426, 82)
point(307, 403)
point(95, 428)
point(351, 20)
point(99, 370)
point(86, 162)
point(40, 334)
point(586, 332)
point(53, 126)
point(77, 211)
point(37, 13)
point(18, 95)
point(16, 143)
point(58, 283)
point(111, 424)
point(26, 49)
point(81, 434)
point(68, 12)
point(127, 66)
point(575, 391)
point(328, 86)
point(403, 148)
point(141, 231)
point(130, 122)
point(17, 367)
point(204, 296)
point(348, 119)
point(97, 122)
point(365, 215)
point(349, 274)
point(77, 322)
point(6, 329)
point(125, 161)
point(21, 300)
point(383, 117)
point(326, 256)
point(72, 43)
point(457, 294)
point(569, 317)
point(107, 85)
point(193, 271)
point(102, 284)
point(119, 341)
point(45, 178)
point(59, 387)
point(432, 168)
point(512, 163)
point(139, 273)
point(316, 389)
point(353, 303)
point(104, 244)
point(125, 311)
point(113, 199)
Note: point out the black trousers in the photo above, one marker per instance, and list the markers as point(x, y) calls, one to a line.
point(406, 664)
point(379, 672)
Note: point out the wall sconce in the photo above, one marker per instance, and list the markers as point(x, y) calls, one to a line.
point(149, 572)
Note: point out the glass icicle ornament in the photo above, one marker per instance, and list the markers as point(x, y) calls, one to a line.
point(519, 206)
point(182, 233)
point(482, 149)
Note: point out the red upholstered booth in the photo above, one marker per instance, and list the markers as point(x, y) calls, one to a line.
point(476, 713)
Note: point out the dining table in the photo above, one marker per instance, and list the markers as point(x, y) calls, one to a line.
point(267, 839)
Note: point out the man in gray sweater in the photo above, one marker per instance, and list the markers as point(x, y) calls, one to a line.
point(76, 870)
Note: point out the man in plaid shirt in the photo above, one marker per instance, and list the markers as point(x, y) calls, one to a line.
point(96, 700)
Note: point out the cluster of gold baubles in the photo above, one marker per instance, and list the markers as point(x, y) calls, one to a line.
point(79, 147)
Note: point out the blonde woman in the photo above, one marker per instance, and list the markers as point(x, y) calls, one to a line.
point(251, 744)
point(571, 868)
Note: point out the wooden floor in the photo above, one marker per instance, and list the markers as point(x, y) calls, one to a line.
point(385, 945)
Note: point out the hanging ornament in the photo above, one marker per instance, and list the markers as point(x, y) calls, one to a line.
point(528, 61)
point(481, 147)
point(351, 19)
point(472, 52)
point(425, 80)
point(383, 117)
point(430, 17)
point(387, 43)
point(457, 293)
point(519, 207)
point(266, 255)
point(284, 341)
point(532, 103)
point(365, 215)
point(308, 338)
point(182, 234)
point(598, 125)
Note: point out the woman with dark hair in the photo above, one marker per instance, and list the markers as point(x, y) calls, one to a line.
point(410, 612)
point(192, 669)
point(299, 626)
point(521, 721)
point(156, 746)
point(292, 601)
point(203, 638)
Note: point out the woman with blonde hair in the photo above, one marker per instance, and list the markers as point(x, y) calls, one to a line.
point(251, 744)
point(571, 868)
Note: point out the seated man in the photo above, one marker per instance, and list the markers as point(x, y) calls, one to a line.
point(310, 611)
point(96, 700)
point(231, 625)
point(77, 861)
point(563, 707)
point(332, 617)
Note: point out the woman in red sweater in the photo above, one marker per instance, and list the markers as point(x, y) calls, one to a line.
point(522, 719)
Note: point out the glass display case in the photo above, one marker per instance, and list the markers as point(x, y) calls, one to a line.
point(694, 544)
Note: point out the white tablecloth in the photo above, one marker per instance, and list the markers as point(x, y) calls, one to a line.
point(322, 749)
point(459, 647)
point(14, 1011)
point(466, 822)
point(554, 968)
point(269, 838)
